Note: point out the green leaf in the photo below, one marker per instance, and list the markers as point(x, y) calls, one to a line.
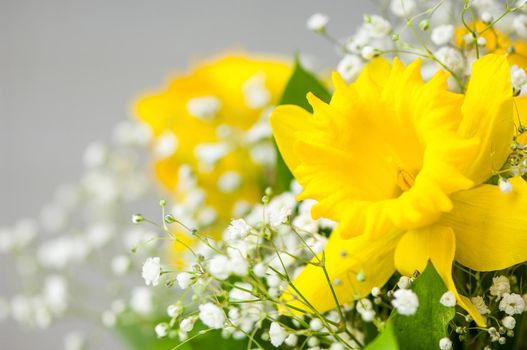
point(300, 83)
point(430, 323)
point(139, 335)
point(384, 341)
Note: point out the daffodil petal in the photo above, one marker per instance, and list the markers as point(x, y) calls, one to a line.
point(287, 121)
point(437, 244)
point(354, 267)
point(488, 115)
point(490, 226)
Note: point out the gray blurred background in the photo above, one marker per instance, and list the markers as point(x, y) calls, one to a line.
point(70, 68)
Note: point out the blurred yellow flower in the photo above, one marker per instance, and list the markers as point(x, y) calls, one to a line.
point(400, 164)
point(212, 145)
point(495, 42)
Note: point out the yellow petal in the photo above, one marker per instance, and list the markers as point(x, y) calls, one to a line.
point(437, 244)
point(488, 115)
point(287, 121)
point(345, 261)
point(490, 226)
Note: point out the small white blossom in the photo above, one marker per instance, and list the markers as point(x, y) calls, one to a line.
point(404, 282)
point(255, 92)
point(448, 299)
point(241, 292)
point(55, 293)
point(479, 303)
point(377, 26)
point(375, 291)
point(219, 267)
point(277, 334)
point(152, 271)
point(505, 185)
point(205, 107)
point(445, 344)
point(317, 22)
point(500, 286)
point(350, 67)
point(260, 269)
point(120, 264)
point(108, 319)
point(405, 302)
point(237, 229)
point(316, 324)
point(141, 300)
point(519, 78)
point(291, 340)
point(95, 155)
point(174, 310)
point(211, 315)
point(520, 25)
point(451, 58)
point(443, 34)
point(402, 8)
point(162, 330)
point(187, 324)
point(368, 52)
point(512, 304)
point(166, 145)
point(208, 154)
point(74, 341)
point(229, 182)
point(184, 280)
point(509, 322)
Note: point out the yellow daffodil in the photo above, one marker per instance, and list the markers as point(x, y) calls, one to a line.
point(400, 164)
point(202, 125)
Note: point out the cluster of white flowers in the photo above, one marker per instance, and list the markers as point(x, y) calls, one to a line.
point(430, 30)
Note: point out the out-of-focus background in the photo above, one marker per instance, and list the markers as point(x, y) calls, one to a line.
point(69, 70)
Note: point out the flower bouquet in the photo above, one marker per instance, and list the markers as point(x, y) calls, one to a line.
point(381, 206)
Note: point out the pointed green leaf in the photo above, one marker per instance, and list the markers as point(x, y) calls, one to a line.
point(386, 340)
point(430, 323)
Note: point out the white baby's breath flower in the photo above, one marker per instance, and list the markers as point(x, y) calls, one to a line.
point(368, 52)
point(405, 302)
point(208, 154)
point(74, 341)
point(445, 344)
point(174, 310)
point(184, 280)
point(187, 324)
point(404, 282)
point(255, 92)
point(260, 269)
point(316, 324)
point(55, 293)
point(350, 67)
point(277, 334)
point(95, 154)
point(479, 303)
point(448, 299)
point(211, 315)
point(512, 304)
point(377, 26)
point(443, 34)
point(505, 185)
point(518, 77)
point(141, 300)
point(500, 286)
point(509, 322)
point(291, 340)
point(402, 8)
point(166, 145)
point(241, 292)
point(229, 181)
point(205, 107)
point(219, 267)
point(317, 22)
point(520, 25)
point(162, 329)
point(237, 229)
point(121, 265)
point(451, 58)
point(152, 271)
